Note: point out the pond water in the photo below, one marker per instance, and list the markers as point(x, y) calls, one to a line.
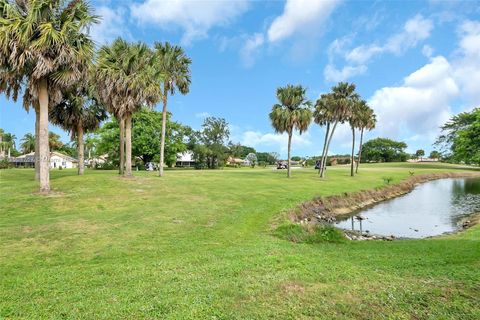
point(431, 209)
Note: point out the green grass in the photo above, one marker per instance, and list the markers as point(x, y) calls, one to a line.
point(201, 245)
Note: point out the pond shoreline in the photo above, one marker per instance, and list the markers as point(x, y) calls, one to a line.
point(326, 209)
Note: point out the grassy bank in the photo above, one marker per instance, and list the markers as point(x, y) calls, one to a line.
point(199, 245)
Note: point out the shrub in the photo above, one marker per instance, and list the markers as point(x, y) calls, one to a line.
point(4, 164)
point(387, 180)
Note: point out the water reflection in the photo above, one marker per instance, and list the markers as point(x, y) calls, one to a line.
point(430, 209)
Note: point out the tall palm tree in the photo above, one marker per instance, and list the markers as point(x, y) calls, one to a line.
point(291, 113)
point(354, 119)
point(173, 66)
point(78, 113)
point(28, 143)
point(324, 115)
point(333, 108)
point(367, 121)
point(126, 80)
point(44, 48)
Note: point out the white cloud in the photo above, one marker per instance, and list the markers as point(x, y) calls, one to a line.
point(251, 48)
point(363, 53)
point(414, 30)
point(467, 62)
point(427, 51)
point(111, 26)
point(202, 115)
point(300, 16)
point(332, 74)
point(274, 141)
point(194, 17)
point(420, 105)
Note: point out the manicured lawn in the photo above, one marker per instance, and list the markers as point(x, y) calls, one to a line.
point(199, 245)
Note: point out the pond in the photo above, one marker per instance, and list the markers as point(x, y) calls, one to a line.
point(431, 209)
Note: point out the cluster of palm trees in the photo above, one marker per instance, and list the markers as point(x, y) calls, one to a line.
point(7, 143)
point(47, 54)
point(341, 105)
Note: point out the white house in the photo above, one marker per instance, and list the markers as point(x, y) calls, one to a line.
point(185, 159)
point(57, 160)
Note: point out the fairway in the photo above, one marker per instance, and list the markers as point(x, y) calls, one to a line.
point(199, 244)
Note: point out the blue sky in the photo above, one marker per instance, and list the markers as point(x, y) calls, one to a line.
point(416, 63)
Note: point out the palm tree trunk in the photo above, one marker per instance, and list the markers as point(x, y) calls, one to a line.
point(352, 162)
point(80, 149)
point(324, 164)
point(121, 167)
point(289, 149)
point(44, 154)
point(324, 147)
point(8, 157)
point(128, 146)
point(37, 144)
point(359, 150)
point(164, 127)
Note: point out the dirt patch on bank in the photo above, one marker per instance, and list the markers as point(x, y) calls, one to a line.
point(325, 209)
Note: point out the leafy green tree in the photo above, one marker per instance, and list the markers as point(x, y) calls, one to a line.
point(44, 49)
point(460, 139)
point(70, 149)
point(420, 153)
point(291, 113)
point(214, 134)
point(384, 150)
point(146, 129)
point(126, 80)
point(173, 65)
point(268, 157)
point(239, 151)
point(435, 155)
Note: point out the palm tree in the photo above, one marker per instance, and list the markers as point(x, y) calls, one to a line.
point(54, 142)
point(9, 142)
point(44, 49)
point(91, 146)
point(174, 67)
point(324, 115)
point(126, 80)
point(78, 113)
point(367, 121)
point(354, 119)
point(293, 112)
point(28, 143)
point(332, 108)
